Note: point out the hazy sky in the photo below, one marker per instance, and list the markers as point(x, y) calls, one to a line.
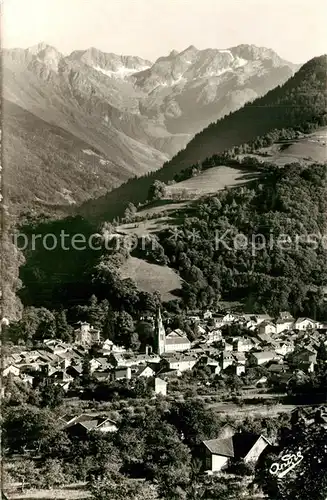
point(295, 29)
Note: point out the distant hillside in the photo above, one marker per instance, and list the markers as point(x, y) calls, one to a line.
point(61, 168)
point(214, 246)
point(132, 113)
point(299, 104)
point(261, 244)
point(301, 100)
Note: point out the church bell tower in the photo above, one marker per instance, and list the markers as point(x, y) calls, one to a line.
point(159, 334)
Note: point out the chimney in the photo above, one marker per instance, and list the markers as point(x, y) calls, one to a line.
point(148, 350)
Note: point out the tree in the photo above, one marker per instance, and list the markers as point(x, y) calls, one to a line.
point(124, 326)
point(56, 445)
point(26, 473)
point(157, 191)
point(145, 332)
point(141, 388)
point(116, 486)
point(194, 421)
point(52, 474)
point(16, 393)
point(135, 341)
point(167, 459)
point(130, 212)
point(108, 329)
point(308, 478)
point(63, 330)
point(25, 426)
point(50, 394)
point(148, 302)
point(86, 376)
point(35, 324)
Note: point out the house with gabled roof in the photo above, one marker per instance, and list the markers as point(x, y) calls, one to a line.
point(284, 348)
point(201, 331)
point(243, 344)
point(108, 347)
point(194, 318)
point(227, 359)
point(267, 327)
point(121, 373)
point(285, 315)
point(236, 369)
point(304, 355)
point(143, 371)
point(213, 335)
point(284, 324)
point(227, 346)
point(232, 446)
point(75, 371)
point(262, 317)
point(263, 357)
point(62, 376)
point(11, 370)
point(102, 376)
point(265, 338)
point(103, 364)
point(160, 386)
point(85, 423)
point(180, 362)
point(176, 341)
point(305, 324)
point(207, 314)
point(278, 368)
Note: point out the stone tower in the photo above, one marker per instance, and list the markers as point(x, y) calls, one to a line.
point(159, 334)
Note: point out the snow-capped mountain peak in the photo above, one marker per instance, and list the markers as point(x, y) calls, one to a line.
point(121, 72)
point(39, 47)
point(109, 64)
point(50, 57)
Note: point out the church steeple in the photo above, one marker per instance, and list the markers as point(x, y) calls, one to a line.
point(159, 334)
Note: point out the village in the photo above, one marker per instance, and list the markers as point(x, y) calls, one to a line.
point(263, 341)
point(274, 350)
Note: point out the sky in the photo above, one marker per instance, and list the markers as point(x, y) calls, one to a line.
point(295, 29)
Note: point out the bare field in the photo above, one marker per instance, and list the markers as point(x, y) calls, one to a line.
point(309, 149)
point(260, 409)
point(210, 181)
point(152, 277)
point(144, 227)
point(72, 492)
point(207, 183)
point(169, 206)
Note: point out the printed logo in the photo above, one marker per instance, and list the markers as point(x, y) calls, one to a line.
point(286, 464)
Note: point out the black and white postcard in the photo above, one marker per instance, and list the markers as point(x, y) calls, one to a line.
point(163, 249)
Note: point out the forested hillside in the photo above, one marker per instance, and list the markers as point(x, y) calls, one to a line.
point(300, 101)
point(289, 201)
point(263, 244)
point(299, 104)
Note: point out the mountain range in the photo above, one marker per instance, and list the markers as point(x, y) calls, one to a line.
point(77, 126)
point(298, 103)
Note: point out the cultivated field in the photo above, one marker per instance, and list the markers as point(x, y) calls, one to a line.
point(309, 149)
point(210, 181)
point(152, 277)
